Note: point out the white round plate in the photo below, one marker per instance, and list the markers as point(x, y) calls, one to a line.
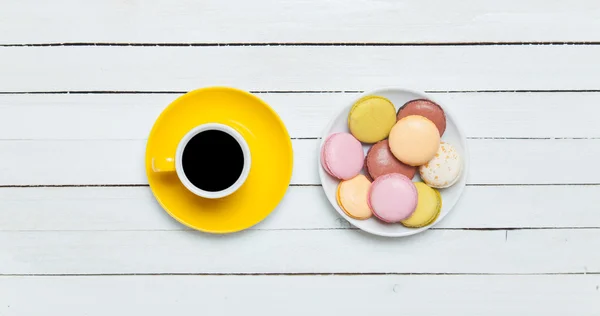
point(452, 135)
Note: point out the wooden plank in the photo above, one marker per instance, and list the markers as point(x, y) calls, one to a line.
point(298, 21)
point(300, 251)
point(121, 209)
point(491, 295)
point(299, 67)
point(492, 161)
point(130, 116)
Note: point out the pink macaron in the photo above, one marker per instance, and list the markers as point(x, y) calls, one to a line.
point(392, 197)
point(342, 156)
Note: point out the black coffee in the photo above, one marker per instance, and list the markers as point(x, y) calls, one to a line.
point(212, 160)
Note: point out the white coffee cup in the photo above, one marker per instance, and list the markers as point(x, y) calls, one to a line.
point(174, 164)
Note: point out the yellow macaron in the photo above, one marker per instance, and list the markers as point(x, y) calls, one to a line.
point(429, 204)
point(371, 119)
point(352, 197)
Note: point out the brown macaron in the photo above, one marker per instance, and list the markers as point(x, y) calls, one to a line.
point(425, 108)
point(380, 161)
point(366, 168)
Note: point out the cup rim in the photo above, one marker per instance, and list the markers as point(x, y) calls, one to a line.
point(179, 156)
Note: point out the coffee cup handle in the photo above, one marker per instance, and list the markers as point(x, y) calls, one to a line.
point(163, 164)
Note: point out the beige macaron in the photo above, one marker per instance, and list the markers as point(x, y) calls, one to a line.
point(444, 169)
point(414, 140)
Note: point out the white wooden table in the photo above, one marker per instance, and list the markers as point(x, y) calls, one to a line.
point(81, 83)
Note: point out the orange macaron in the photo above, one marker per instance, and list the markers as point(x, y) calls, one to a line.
point(414, 140)
point(352, 197)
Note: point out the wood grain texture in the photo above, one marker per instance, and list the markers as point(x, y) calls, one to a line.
point(131, 116)
point(521, 241)
point(297, 68)
point(360, 21)
point(300, 251)
point(303, 208)
point(271, 295)
point(492, 161)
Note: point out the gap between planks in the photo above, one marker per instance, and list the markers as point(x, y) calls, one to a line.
point(292, 138)
point(505, 229)
point(301, 91)
point(292, 274)
point(24, 186)
point(157, 44)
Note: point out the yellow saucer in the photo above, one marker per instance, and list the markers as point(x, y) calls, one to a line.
point(270, 149)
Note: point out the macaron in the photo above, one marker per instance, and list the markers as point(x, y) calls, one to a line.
point(371, 118)
point(366, 168)
point(444, 169)
point(342, 156)
point(414, 140)
point(426, 108)
point(429, 204)
point(380, 161)
point(392, 198)
point(352, 197)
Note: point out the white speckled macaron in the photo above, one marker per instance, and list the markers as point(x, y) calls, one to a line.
point(444, 169)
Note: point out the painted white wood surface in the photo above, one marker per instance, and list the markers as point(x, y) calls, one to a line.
point(556, 295)
point(215, 21)
point(523, 245)
point(300, 251)
point(131, 116)
point(299, 67)
point(492, 161)
point(303, 208)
